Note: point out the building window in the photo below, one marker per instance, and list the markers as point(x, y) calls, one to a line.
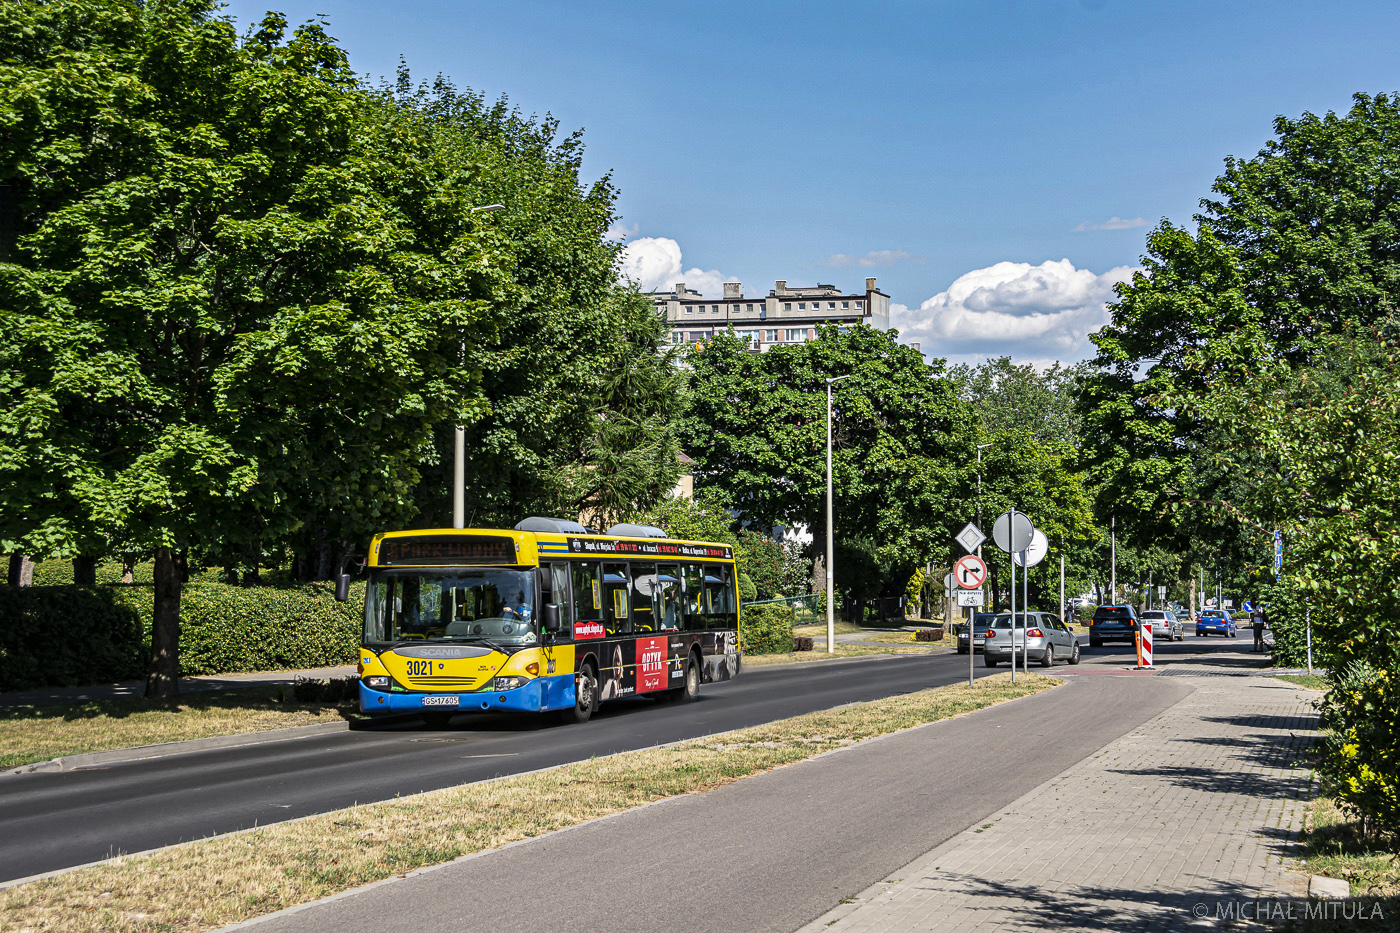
point(802, 306)
point(797, 336)
point(772, 336)
point(787, 306)
point(677, 336)
point(859, 305)
point(748, 308)
point(714, 308)
point(845, 306)
point(688, 309)
point(831, 306)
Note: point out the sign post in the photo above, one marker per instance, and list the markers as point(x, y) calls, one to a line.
point(1012, 532)
point(971, 538)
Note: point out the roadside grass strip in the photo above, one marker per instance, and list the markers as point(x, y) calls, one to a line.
point(38, 733)
point(1335, 846)
point(226, 879)
point(842, 651)
point(1309, 681)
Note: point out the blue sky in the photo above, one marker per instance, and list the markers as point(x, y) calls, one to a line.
point(961, 152)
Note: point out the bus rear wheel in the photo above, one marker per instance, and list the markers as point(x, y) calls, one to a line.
point(689, 691)
point(585, 697)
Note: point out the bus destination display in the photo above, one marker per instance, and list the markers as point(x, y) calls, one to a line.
point(447, 549)
point(648, 548)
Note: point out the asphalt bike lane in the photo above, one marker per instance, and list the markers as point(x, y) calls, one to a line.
point(55, 820)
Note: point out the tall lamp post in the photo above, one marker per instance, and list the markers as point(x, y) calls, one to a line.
point(830, 547)
point(459, 468)
point(972, 616)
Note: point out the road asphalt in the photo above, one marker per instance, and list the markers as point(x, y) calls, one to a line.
point(55, 820)
point(770, 852)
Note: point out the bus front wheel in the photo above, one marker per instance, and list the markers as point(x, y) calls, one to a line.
point(585, 697)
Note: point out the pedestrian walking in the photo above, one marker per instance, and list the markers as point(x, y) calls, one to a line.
point(1258, 621)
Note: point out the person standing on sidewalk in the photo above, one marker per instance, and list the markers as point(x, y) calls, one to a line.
point(1257, 621)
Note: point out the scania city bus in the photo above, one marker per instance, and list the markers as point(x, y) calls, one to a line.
point(548, 616)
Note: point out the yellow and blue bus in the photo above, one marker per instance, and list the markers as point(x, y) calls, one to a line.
point(547, 616)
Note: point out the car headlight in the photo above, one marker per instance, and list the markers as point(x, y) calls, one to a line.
point(377, 683)
point(510, 683)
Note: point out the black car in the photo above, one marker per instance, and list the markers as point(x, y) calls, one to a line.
point(1113, 623)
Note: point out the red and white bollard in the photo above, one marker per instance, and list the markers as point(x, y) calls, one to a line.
point(1144, 645)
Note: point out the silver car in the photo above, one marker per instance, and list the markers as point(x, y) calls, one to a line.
point(1044, 637)
point(980, 621)
point(1165, 625)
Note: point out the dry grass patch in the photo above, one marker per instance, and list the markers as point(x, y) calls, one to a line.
point(39, 733)
point(224, 880)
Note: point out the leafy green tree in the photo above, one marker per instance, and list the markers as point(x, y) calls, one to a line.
point(227, 289)
point(1019, 398)
point(901, 438)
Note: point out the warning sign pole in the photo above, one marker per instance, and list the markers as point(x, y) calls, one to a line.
point(1144, 641)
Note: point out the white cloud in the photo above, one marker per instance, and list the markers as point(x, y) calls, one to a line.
point(618, 232)
point(655, 263)
point(1113, 223)
point(1043, 312)
point(878, 257)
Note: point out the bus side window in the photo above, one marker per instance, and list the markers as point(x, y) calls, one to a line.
point(643, 595)
point(719, 597)
point(694, 576)
point(559, 593)
point(616, 617)
point(666, 602)
point(588, 592)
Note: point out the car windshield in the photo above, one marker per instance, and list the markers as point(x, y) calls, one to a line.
point(470, 605)
point(1153, 614)
point(1113, 612)
point(1004, 621)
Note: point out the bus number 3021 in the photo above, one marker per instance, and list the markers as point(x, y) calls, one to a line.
point(419, 667)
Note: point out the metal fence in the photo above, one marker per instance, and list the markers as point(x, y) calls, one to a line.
point(805, 609)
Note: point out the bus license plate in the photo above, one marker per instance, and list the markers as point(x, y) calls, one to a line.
point(442, 701)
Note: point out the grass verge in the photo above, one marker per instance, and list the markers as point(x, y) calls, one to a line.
point(1334, 846)
point(842, 651)
point(224, 880)
point(1311, 681)
point(39, 733)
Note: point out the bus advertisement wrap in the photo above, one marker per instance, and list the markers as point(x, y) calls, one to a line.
point(649, 548)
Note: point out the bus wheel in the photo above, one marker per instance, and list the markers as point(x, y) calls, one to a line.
point(691, 691)
point(585, 697)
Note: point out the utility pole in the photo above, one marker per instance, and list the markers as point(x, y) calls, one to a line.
point(972, 614)
point(1113, 557)
point(830, 547)
point(459, 440)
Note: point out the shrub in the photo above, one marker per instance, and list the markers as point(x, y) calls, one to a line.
point(747, 591)
point(61, 636)
point(1359, 758)
point(766, 630)
point(336, 690)
point(929, 634)
point(802, 643)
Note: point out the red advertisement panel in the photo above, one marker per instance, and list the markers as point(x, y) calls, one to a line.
point(651, 663)
point(586, 630)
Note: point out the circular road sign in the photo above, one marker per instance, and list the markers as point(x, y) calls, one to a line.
point(1035, 553)
point(970, 572)
point(1011, 535)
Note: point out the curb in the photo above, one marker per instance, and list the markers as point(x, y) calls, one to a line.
point(113, 756)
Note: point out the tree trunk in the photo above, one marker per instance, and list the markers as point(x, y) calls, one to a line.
point(164, 677)
point(21, 570)
point(128, 568)
point(250, 577)
point(85, 571)
point(1192, 597)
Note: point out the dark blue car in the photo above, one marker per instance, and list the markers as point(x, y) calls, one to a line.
point(1215, 622)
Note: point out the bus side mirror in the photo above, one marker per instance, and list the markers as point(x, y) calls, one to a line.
point(551, 618)
point(342, 587)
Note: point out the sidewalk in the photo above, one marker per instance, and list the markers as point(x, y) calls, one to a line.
point(1201, 804)
point(46, 696)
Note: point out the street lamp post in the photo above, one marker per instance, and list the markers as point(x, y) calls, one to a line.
point(459, 441)
point(830, 547)
point(972, 616)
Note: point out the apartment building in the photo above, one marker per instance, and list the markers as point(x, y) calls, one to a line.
point(785, 315)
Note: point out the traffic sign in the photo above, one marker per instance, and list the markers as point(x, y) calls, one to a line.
point(970, 537)
point(970, 572)
point(1012, 536)
point(1036, 552)
point(973, 598)
point(947, 586)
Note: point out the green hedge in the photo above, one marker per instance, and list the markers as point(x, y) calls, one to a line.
point(766, 630)
point(61, 636)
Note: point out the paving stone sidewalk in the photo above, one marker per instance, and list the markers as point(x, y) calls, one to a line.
point(1201, 804)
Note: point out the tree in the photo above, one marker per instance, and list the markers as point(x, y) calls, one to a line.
point(901, 438)
point(1299, 243)
point(230, 288)
point(1021, 399)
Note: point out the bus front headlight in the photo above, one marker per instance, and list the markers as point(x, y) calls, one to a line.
point(510, 683)
point(377, 683)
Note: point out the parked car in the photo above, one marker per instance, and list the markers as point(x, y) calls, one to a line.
point(1165, 625)
point(980, 621)
point(1215, 622)
point(1113, 623)
point(1042, 634)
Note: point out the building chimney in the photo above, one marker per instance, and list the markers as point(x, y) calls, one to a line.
point(680, 290)
point(733, 290)
point(781, 288)
point(870, 283)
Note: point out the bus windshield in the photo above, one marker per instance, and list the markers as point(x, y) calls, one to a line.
point(489, 606)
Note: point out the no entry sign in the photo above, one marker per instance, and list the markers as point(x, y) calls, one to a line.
point(970, 572)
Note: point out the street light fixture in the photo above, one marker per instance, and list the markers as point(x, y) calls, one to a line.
point(459, 441)
point(830, 547)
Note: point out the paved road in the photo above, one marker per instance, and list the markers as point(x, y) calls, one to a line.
point(58, 819)
point(771, 852)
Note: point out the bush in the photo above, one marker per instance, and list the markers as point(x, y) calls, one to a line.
point(63, 636)
point(336, 690)
point(766, 630)
point(1359, 759)
point(929, 634)
point(802, 643)
point(747, 591)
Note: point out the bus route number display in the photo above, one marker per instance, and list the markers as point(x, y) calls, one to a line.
point(648, 548)
point(447, 549)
